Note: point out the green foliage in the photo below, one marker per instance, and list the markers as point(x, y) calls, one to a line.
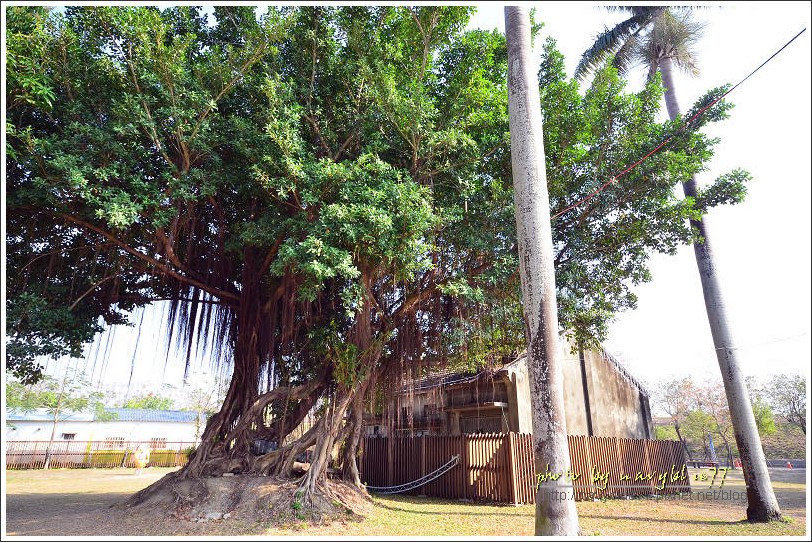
point(150, 401)
point(319, 168)
point(700, 408)
point(603, 244)
point(765, 420)
point(786, 394)
point(73, 392)
point(31, 34)
point(650, 34)
point(696, 426)
point(665, 432)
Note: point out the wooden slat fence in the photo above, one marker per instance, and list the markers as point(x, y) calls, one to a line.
point(76, 454)
point(499, 467)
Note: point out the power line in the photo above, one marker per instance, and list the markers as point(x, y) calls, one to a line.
point(613, 179)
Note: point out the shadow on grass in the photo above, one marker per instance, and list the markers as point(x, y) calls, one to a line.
point(378, 503)
point(668, 520)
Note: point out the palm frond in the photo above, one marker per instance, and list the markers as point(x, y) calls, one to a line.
point(635, 10)
point(611, 40)
point(626, 56)
point(606, 44)
point(677, 34)
point(674, 35)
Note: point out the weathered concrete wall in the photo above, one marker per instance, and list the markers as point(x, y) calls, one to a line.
point(521, 418)
point(617, 405)
point(574, 404)
point(600, 399)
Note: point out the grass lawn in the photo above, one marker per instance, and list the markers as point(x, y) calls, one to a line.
point(74, 502)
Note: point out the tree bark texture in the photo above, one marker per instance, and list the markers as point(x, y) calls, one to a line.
point(555, 506)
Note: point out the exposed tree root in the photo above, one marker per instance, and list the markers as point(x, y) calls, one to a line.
point(249, 497)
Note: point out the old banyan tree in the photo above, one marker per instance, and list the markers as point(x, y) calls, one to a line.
point(324, 194)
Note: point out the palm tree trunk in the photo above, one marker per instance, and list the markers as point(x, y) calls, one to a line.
point(761, 502)
point(555, 507)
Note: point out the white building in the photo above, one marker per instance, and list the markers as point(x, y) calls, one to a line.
point(158, 427)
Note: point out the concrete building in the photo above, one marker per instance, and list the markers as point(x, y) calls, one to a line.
point(601, 399)
point(157, 427)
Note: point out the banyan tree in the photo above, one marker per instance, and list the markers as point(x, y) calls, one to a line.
point(322, 194)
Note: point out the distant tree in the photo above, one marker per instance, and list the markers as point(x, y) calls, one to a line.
point(666, 432)
point(695, 429)
point(72, 393)
point(765, 418)
point(712, 400)
point(786, 393)
point(708, 413)
point(675, 397)
point(203, 397)
point(148, 401)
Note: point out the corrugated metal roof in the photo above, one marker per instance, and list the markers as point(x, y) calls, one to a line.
point(123, 415)
point(144, 415)
point(42, 415)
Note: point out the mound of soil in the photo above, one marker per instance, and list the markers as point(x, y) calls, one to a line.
point(253, 499)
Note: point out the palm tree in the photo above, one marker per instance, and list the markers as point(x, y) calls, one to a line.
point(660, 37)
point(555, 507)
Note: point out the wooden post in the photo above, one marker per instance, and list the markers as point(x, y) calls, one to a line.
point(389, 459)
point(423, 471)
point(511, 456)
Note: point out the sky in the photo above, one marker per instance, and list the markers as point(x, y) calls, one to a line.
point(762, 246)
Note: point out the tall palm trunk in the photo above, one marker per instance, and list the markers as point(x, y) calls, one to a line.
point(555, 507)
point(761, 502)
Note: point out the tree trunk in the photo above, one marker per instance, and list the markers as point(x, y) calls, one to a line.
point(555, 505)
point(350, 471)
point(47, 464)
point(684, 444)
point(57, 409)
point(762, 505)
point(314, 481)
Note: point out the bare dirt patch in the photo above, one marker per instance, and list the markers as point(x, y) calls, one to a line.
point(225, 506)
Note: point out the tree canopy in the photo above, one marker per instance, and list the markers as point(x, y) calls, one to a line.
point(324, 192)
point(148, 401)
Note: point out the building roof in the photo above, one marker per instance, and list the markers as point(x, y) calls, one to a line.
point(145, 415)
point(123, 415)
point(42, 415)
point(446, 377)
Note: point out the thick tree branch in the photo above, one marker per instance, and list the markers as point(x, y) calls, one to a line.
point(157, 265)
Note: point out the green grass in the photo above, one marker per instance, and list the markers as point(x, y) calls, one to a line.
point(72, 502)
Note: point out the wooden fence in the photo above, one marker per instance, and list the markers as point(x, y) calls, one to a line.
point(499, 467)
point(76, 454)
